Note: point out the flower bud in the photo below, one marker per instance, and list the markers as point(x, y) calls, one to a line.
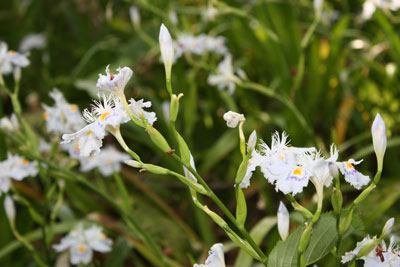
point(134, 15)
point(305, 239)
point(167, 50)
point(233, 118)
point(388, 227)
point(174, 106)
point(283, 221)
point(9, 208)
point(133, 163)
point(251, 144)
point(379, 139)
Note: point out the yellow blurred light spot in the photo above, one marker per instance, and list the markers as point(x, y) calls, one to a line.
point(324, 48)
point(45, 115)
point(12, 52)
point(333, 82)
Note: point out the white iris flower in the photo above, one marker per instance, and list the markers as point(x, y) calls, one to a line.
point(225, 76)
point(63, 117)
point(82, 242)
point(351, 175)
point(17, 168)
point(215, 257)
point(107, 161)
point(114, 83)
point(11, 60)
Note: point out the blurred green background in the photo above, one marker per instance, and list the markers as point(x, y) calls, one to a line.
point(336, 86)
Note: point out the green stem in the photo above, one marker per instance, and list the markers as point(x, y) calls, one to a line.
point(126, 204)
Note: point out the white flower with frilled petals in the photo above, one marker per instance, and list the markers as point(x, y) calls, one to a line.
point(140, 113)
point(63, 117)
point(167, 49)
point(82, 242)
point(215, 257)
point(17, 168)
point(380, 256)
point(114, 83)
point(351, 175)
point(379, 138)
point(225, 76)
point(107, 161)
point(233, 118)
point(199, 45)
point(106, 116)
point(348, 256)
point(283, 221)
point(321, 174)
point(9, 124)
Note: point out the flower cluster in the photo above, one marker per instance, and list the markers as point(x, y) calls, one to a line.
point(17, 168)
point(370, 6)
point(291, 168)
point(82, 242)
point(225, 75)
point(198, 45)
point(107, 161)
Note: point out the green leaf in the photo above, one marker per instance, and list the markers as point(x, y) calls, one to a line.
point(258, 233)
point(323, 239)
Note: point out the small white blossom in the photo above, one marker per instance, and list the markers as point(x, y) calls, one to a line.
point(140, 113)
point(348, 256)
point(33, 41)
point(379, 138)
point(351, 175)
point(63, 117)
point(167, 49)
point(11, 60)
point(370, 6)
point(9, 124)
point(225, 76)
point(107, 161)
point(283, 221)
point(215, 257)
point(82, 242)
point(114, 83)
point(233, 118)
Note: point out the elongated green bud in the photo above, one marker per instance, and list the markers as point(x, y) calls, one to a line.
point(158, 139)
point(183, 149)
point(174, 107)
point(242, 170)
point(215, 217)
point(337, 200)
point(305, 238)
point(345, 224)
point(241, 206)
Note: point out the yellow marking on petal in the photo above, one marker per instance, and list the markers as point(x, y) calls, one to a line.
point(109, 162)
point(73, 107)
point(81, 248)
point(89, 133)
point(103, 236)
point(45, 115)
point(76, 148)
point(104, 115)
point(349, 165)
point(25, 161)
point(281, 156)
point(298, 171)
point(12, 52)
